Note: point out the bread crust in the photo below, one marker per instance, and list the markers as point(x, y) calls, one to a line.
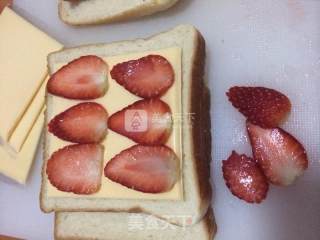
point(211, 225)
point(201, 129)
point(199, 105)
point(124, 16)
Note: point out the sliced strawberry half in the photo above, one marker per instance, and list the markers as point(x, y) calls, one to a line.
point(282, 157)
point(82, 123)
point(147, 77)
point(144, 168)
point(84, 78)
point(244, 178)
point(76, 168)
point(147, 122)
point(262, 106)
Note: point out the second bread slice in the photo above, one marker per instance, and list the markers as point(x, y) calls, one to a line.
point(106, 11)
point(119, 226)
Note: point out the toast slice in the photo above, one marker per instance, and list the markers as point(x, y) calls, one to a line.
point(196, 141)
point(119, 226)
point(105, 11)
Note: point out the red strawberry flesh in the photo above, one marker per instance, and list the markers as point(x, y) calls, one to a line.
point(144, 168)
point(262, 106)
point(82, 123)
point(84, 78)
point(282, 157)
point(147, 77)
point(147, 122)
point(76, 168)
point(244, 178)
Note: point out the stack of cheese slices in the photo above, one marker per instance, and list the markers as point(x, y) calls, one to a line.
point(128, 144)
point(22, 91)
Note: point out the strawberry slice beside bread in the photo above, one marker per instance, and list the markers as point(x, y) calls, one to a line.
point(244, 178)
point(262, 106)
point(281, 156)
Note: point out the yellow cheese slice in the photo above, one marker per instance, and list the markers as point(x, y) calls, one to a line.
point(114, 100)
point(24, 127)
point(17, 166)
point(23, 52)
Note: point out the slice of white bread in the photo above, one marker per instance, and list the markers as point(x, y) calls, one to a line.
point(196, 141)
point(120, 226)
point(84, 12)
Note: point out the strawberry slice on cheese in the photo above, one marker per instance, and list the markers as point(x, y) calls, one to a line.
point(76, 168)
point(147, 77)
point(147, 122)
point(262, 106)
point(82, 123)
point(83, 78)
point(282, 157)
point(149, 169)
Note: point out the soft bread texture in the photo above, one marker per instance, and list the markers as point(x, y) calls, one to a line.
point(196, 141)
point(119, 226)
point(105, 11)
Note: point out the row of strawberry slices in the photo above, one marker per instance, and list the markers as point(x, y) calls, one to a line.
point(85, 78)
point(88, 123)
point(77, 168)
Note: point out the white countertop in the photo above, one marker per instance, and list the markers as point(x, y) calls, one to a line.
point(273, 43)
